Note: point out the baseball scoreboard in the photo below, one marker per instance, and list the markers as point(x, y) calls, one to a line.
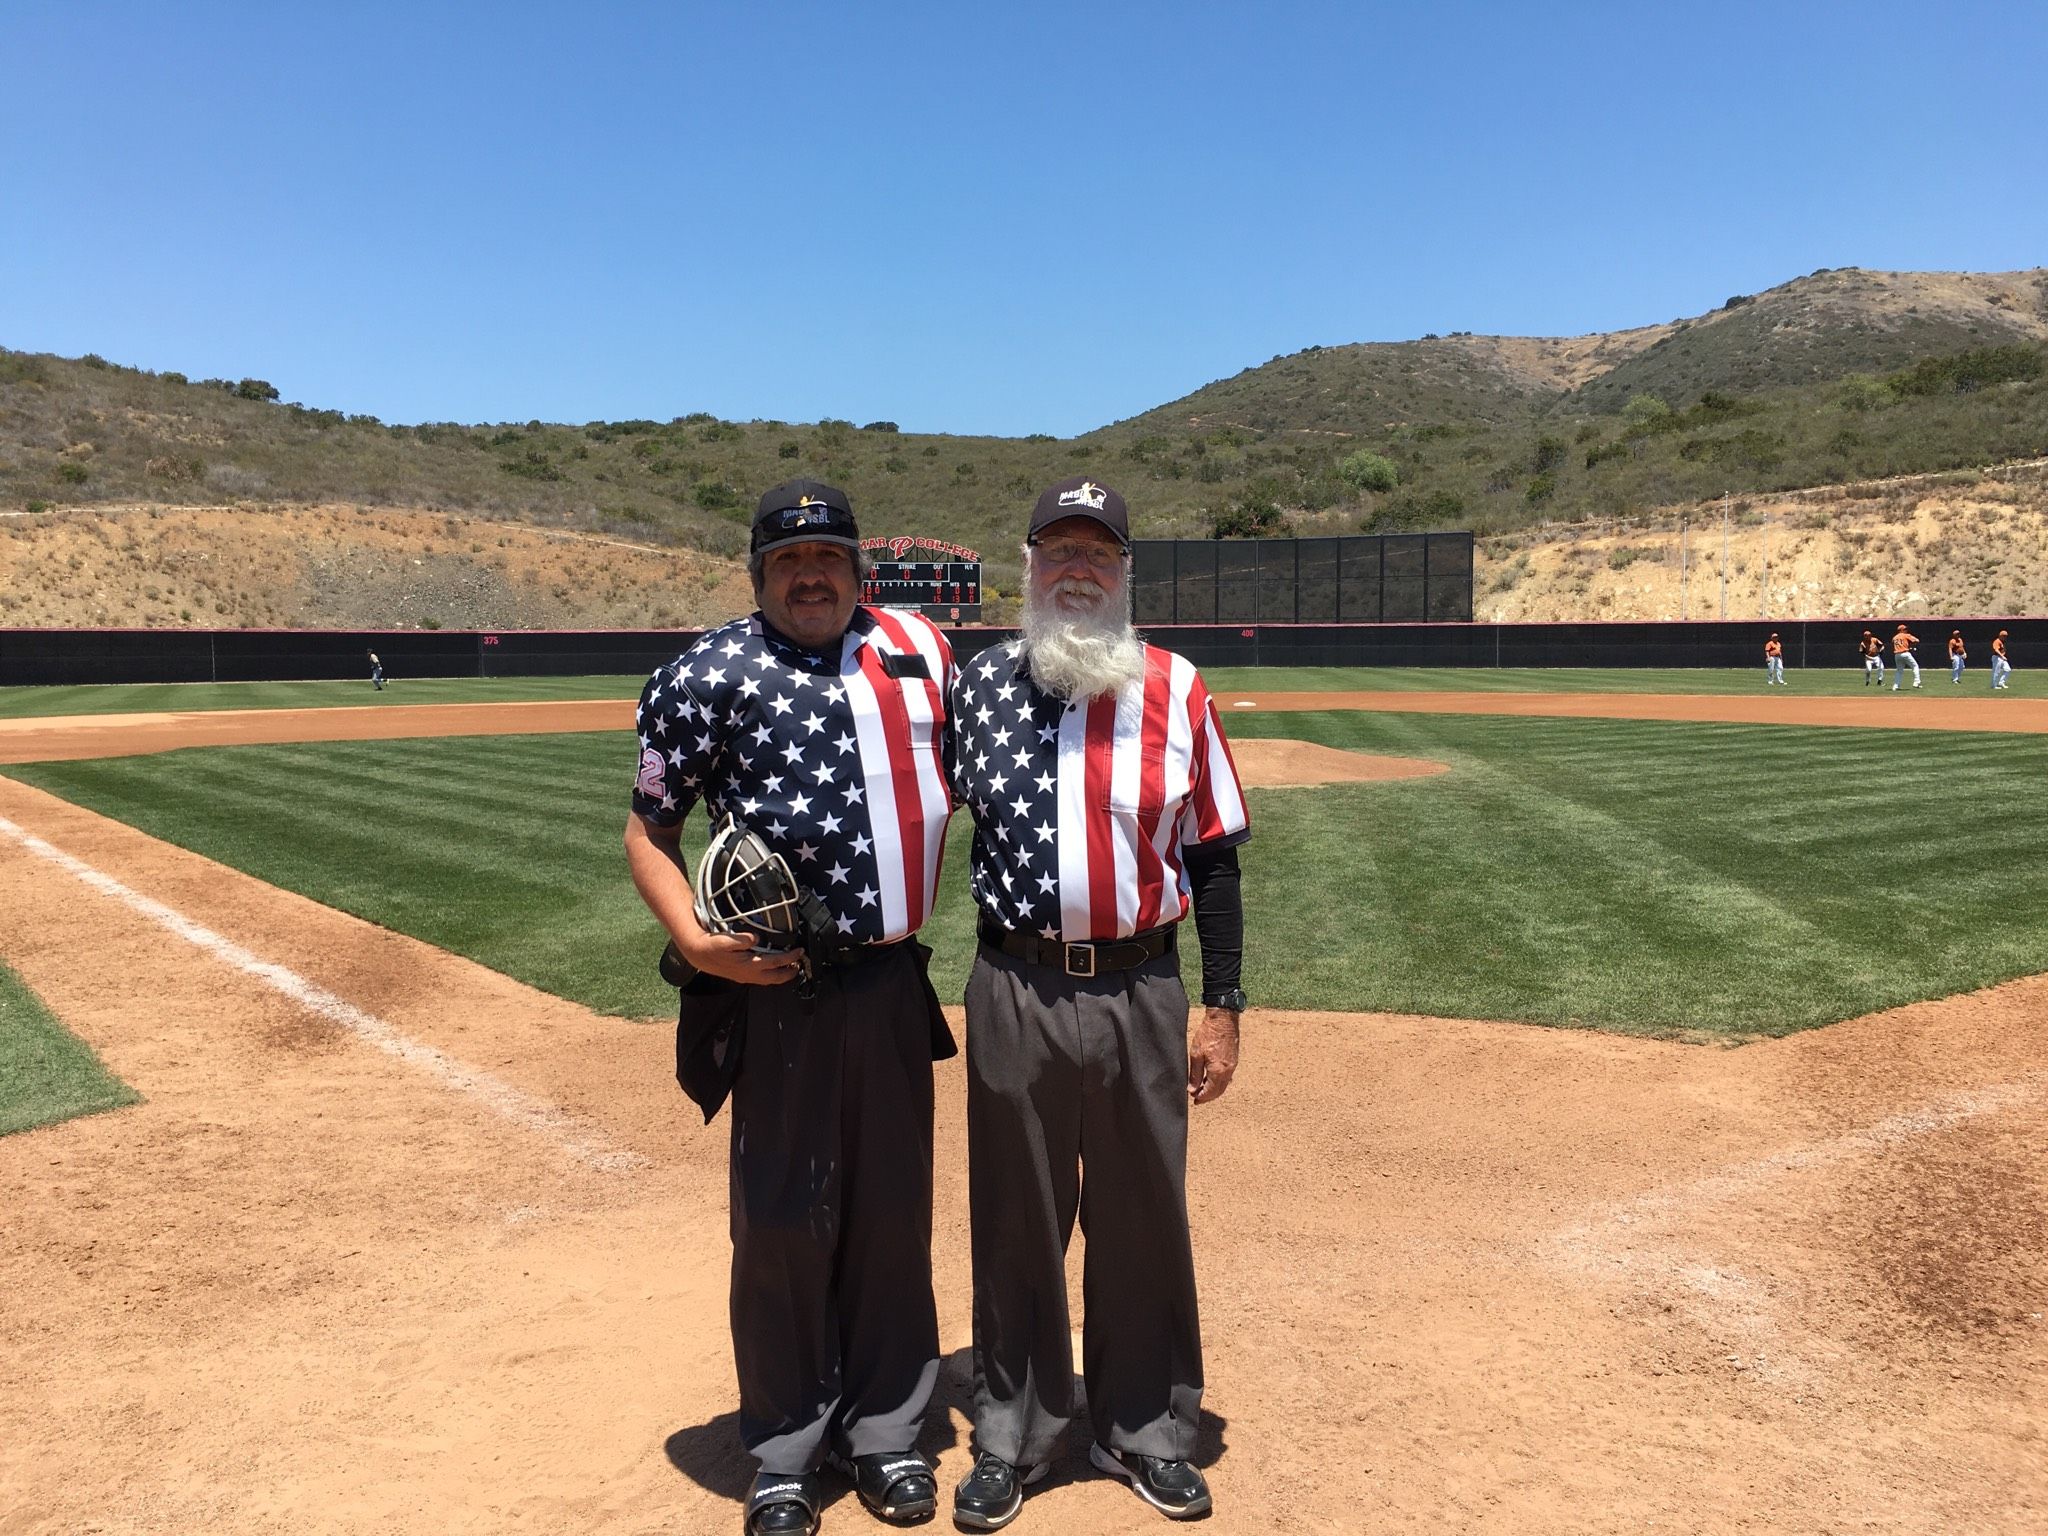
point(939, 580)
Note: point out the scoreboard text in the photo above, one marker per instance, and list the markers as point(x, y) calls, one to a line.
point(946, 588)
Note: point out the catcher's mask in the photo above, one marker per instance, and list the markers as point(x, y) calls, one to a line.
point(744, 887)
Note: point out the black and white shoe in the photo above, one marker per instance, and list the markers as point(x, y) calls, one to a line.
point(990, 1496)
point(1174, 1488)
point(896, 1486)
point(784, 1504)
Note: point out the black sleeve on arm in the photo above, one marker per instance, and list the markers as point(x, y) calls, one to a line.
point(1213, 881)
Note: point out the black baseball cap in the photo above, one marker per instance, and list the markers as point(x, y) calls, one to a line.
point(1079, 496)
point(805, 509)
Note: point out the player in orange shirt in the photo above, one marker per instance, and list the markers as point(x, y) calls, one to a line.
point(1872, 651)
point(1774, 661)
point(1956, 655)
point(2001, 662)
point(1902, 657)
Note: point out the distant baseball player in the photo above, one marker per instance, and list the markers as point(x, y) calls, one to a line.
point(1956, 655)
point(376, 673)
point(1774, 661)
point(1872, 650)
point(1106, 812)
point(1903, 642)
point(2001, 662)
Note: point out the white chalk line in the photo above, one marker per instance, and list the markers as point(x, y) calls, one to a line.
point(1632, 1239)
point(577, 1139)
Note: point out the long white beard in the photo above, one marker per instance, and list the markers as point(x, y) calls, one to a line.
point(1080, 655)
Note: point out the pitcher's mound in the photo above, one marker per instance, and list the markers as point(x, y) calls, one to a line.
point(1270, 764)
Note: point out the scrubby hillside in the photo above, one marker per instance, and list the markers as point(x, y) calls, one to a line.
point(344, 568)
point(1965, 542)
point(1838, 377)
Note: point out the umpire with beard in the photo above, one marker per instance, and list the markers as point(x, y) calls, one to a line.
point(1105, 807)
point(818, 724)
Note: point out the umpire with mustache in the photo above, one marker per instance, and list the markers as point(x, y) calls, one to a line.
point(817, 724)
point(1106, 809)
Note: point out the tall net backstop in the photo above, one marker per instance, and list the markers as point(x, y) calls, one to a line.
point(1390, 578)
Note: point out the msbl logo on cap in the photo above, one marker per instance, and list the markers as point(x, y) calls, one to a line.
point(806, 512)
point(1086, 494)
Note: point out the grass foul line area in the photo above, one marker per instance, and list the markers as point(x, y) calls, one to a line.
point(166, 698)
point(1699, 880)
point(47, 1074)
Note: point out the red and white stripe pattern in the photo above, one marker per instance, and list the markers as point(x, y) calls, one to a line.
point(1081, 811)
point(835, 759)
point(900, 726)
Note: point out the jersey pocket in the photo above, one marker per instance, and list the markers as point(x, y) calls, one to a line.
point(1143, 794)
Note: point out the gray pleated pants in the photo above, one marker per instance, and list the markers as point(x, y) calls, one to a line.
point(1077, 1100)
point(833, 1327)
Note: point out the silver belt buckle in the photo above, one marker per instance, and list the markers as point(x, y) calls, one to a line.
point(1087, 952)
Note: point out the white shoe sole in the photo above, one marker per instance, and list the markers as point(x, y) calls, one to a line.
point(1108, 1463)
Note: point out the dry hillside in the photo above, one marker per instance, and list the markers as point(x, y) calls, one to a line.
point(1964, 542)
point(336, 567)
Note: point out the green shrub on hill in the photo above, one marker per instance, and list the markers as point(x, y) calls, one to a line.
point(1966, 371)
point(1368, 471)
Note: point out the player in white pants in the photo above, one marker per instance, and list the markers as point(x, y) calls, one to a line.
point(1903, 657)
point(2001, 663)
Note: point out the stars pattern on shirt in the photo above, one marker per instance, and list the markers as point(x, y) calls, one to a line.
point(756, 726)
point(1006, 769)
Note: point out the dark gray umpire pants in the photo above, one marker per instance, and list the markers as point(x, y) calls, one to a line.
point(833, 1327)
point(1077, 1099)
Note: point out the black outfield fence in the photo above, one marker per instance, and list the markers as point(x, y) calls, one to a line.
point(54, 656)
point(1389, 578)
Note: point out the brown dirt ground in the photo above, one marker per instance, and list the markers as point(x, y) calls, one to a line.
point(52, 738)
point(1457, 1275)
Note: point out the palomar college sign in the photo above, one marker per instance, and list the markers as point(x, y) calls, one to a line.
point(940, 580)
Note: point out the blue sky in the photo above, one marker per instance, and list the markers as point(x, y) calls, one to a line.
point(962, 218)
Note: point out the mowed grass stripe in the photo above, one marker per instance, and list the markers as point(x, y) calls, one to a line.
point(503, 849)
point(179, 698)
point(1918, 886)
point(1636, 875)
point(1814, 682)
point(47, 1074)
point(128, 698)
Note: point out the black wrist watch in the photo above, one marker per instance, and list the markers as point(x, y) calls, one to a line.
point(1234, 1000)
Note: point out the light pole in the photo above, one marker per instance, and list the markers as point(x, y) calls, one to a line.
point(1724, 555)
point(1765, 611)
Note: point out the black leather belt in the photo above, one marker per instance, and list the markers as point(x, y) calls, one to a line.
point(858, 954)
point(1084, 960)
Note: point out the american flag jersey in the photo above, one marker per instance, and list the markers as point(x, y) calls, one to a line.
point(835, 759)
point(1081, 810)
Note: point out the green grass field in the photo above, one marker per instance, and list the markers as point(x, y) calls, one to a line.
point(47, 1073)
point(138, 698)
point(1815, 683)
point(120, 698)
point(1717, 880)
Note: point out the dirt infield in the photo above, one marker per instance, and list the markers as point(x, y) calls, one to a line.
point(50, 738)
point(395, 1244)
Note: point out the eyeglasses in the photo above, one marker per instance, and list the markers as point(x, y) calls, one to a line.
point(1103, 557)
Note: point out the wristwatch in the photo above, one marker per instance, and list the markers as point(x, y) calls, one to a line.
point(1234, 1000)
